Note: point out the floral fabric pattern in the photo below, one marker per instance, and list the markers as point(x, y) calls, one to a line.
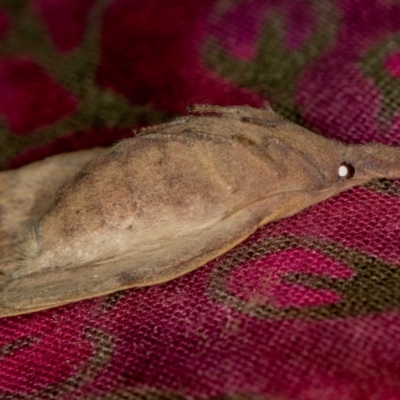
point(308, 308)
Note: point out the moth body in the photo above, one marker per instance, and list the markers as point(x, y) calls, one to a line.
point(161, 204)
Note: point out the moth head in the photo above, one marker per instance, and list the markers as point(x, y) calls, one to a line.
point(373, 160)
point(321, 167)
point(315, 162)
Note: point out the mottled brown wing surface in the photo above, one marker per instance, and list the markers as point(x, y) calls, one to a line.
point(25, 193)
point(143, 213)
point(159, 205)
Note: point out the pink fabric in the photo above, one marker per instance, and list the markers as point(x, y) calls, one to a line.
point(308, 307)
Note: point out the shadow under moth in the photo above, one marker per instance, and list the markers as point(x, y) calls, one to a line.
point(163, 203)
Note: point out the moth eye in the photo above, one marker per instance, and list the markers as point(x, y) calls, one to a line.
point(346, 170)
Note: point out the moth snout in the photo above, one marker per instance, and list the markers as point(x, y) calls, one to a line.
point(374, 161)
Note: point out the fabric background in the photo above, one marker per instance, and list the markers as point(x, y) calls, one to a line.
point(308, 307)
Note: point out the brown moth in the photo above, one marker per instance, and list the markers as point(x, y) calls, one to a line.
point(161, 204)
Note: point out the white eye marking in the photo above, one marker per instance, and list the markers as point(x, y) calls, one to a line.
point(346, 170)
point(343, 171)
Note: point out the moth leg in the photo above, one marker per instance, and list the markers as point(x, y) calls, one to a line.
point(157, 128)
point(263, 122)
point(209, 109)
point(233, 112)
point(242, 113)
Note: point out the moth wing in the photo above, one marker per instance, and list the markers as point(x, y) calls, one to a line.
point(26, 192)
point(153, 264)
point(265, 117)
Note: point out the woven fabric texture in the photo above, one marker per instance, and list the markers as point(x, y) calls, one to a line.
point(308, 308)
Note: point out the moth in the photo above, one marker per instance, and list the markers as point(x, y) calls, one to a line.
point(163, 203)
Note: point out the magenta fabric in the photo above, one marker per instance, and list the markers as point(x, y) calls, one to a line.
point(308, 308)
